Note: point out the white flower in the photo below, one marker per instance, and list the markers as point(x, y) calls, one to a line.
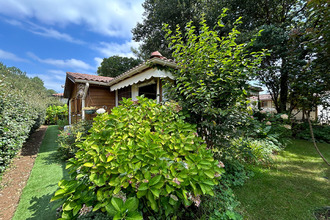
point(100, 111)
point(287, 127)
point(284, 116)
point(268, 123)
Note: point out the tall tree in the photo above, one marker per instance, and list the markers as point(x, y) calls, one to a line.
point(281, 22)
point(116, 65)
point(172, 12)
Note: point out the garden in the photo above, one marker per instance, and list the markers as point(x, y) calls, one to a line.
point(210, 154)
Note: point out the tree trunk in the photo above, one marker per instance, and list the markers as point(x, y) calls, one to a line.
point(284, 87)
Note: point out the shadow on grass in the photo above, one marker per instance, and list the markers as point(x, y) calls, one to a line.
point(42, 208)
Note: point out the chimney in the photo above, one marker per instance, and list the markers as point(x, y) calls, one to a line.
point(156, 54)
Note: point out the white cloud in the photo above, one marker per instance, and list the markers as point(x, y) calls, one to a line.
point(10, 56)
point(112, 18)
point(98, 61)
point(51, 33)
point(58, 74)
point(111, 49)
point(50, 82)
point(42, 31)
point(68, 63)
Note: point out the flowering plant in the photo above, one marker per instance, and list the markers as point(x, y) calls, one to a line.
point(89, 108)
point(100, 111)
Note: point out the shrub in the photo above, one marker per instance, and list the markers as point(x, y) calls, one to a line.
point(321, 132)
point(141, 150)
point(254, 151)
point(23, 102)
point(67, 139)
point(54, 113)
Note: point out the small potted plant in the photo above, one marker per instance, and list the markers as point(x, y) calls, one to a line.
point(89, 110)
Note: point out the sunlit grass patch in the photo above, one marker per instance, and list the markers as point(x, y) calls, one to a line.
point(296, 185)
point(47, 171)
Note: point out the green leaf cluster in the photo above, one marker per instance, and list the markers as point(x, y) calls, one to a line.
point(116, 65)
point(141, 150)
point(55, 113)
point(212, 79)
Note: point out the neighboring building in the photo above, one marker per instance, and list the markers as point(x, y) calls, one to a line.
point(60, 97)
point(267, 105)
point(83, 90)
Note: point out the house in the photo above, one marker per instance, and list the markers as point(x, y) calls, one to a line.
point(60, 97)
point(84, 90)
point(267, 105)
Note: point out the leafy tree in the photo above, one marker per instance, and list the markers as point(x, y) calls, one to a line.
point(280, 21)
point(212, 81)
point(173, 13)
point(51, 92)
point(313, 40)
point(116, 65)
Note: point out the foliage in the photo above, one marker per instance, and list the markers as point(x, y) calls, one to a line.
point(273, 127)
point(67, 138)
point(141, 150)
point(255, 151)
point(212, 82)
point(116, 65)
point(94, 215)
point(296, 33)
point(150, 32)
point(321, 132)
point(55, 113)
point(62, 123)
point(23, 102)
point(222, 206)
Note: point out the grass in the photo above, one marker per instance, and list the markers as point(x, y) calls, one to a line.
point(296, 185)
point(47, 171)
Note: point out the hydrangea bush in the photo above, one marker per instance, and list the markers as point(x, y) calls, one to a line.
point(142, 152)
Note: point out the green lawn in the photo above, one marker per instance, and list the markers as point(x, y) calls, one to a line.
point(42, 184)
point(297, 184)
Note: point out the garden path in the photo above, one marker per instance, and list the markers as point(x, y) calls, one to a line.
point(17, 175)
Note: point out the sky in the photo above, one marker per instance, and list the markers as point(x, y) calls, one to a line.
point(47, 38)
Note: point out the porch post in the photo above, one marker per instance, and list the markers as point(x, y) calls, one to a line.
point(158, 91)
point(69, 109)
point(116, 97)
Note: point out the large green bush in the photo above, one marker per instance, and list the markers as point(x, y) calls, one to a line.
point(321, 132)
point(23, 102)
point(142, 152)
point(67, 138)
point(55, 113)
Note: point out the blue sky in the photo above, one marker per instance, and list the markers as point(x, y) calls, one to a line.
point(47, 38)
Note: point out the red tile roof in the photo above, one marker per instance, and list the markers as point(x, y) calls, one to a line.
point(58, 94)
point(156, 58)
point(88, 77)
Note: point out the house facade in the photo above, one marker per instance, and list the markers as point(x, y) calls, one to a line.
point(84, 90)
point(267, 105)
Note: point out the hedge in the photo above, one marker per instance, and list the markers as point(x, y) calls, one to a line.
point(23, 102)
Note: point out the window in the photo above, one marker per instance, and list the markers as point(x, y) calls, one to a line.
point(264, 104)
point(124, 93)
point(149, 91)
